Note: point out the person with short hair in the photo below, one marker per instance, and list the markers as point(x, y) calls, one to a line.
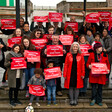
point(51, 86)
point(58, 60)
point(36, 79)
point(26, 30)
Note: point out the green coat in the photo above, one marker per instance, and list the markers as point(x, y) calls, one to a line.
point(11, 73)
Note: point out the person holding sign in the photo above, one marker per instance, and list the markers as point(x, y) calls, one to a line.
point(36, 34)
point(37, 79)
point(74, 72)
point(27, 45)
point(97, 80)
point(51, 86)
point(58, 60)
point(14, 76)
point(17, 33)
point(83, 41)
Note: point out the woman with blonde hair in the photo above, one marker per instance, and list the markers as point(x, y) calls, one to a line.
point(74, 72)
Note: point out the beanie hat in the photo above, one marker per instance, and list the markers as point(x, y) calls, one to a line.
point(97, 45)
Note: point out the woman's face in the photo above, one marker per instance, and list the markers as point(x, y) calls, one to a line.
point(82, 40)
point(18, 32)
point(16, 49)
point(69, 32)
point(89, 33)
point(99, 50)
point(51, 30)
point(26, 42)
point(75, 48)
point(105, 33)
point(97, 38)
point(38, 34)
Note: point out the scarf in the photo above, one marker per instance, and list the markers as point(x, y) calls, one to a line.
point(15, 54)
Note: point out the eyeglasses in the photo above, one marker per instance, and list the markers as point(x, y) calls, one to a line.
point(39, 33)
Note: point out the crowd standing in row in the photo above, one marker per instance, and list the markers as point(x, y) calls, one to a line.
point(76, 69)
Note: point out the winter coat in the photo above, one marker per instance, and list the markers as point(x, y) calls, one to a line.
point(58, 61)
point(37, 81)
point(102, 78)
point(108, 46)
point(11, 73)
point(68, 68)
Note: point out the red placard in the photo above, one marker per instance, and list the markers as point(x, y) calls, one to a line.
point(36, 90)
point(99, 68)
point(32, 56)
point(92, 18)
point(41, 18)
point(47, 36)
point(105, 16)
point(84, 49)
point(18, 63)
point(54, 50)
point(110, 22)
point(51, 73)
point(55, 17)
point(14, 40)
point(39, 43)
point(74, 26)
point(8, 24)
point(66, 39)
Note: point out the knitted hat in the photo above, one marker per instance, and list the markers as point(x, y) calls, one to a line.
point(97, 45)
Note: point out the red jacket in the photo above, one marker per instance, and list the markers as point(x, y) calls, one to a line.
point(102, 78)
point(68, 68)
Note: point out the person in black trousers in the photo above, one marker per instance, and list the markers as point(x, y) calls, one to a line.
point(2, 57)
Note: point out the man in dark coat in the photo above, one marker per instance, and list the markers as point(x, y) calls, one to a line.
point(58, 61)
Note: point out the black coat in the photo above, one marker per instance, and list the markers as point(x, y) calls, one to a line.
point(58, 61)
point(3, 50)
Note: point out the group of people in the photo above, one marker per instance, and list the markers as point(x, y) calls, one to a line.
point(76, 69)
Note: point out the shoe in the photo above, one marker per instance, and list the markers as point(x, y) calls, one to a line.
point(83, 93)
point(55, 103)
point(49, 103)
point(92, 102)
point(75, 102)
point(30, 104)
point(72, 103)
point(12, 104)
point(80, 94)
point(59, 93)
point(100, 104)
point(18, 102)
point(27, 94)
point(38, 104)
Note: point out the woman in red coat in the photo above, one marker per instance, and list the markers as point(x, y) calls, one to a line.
point(74, 72)
point(97, 80)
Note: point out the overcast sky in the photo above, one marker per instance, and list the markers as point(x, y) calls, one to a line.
point(54, 2)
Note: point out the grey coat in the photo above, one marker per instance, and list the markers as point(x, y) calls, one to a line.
point(37, 81)
point(108, 46)
point(11, 73)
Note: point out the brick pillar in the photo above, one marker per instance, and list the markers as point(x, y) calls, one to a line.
point(109, 3)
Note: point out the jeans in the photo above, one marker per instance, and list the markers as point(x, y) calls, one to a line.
point(96, 92)
point(28, 74)
point(51, 90)
point(85, 80)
